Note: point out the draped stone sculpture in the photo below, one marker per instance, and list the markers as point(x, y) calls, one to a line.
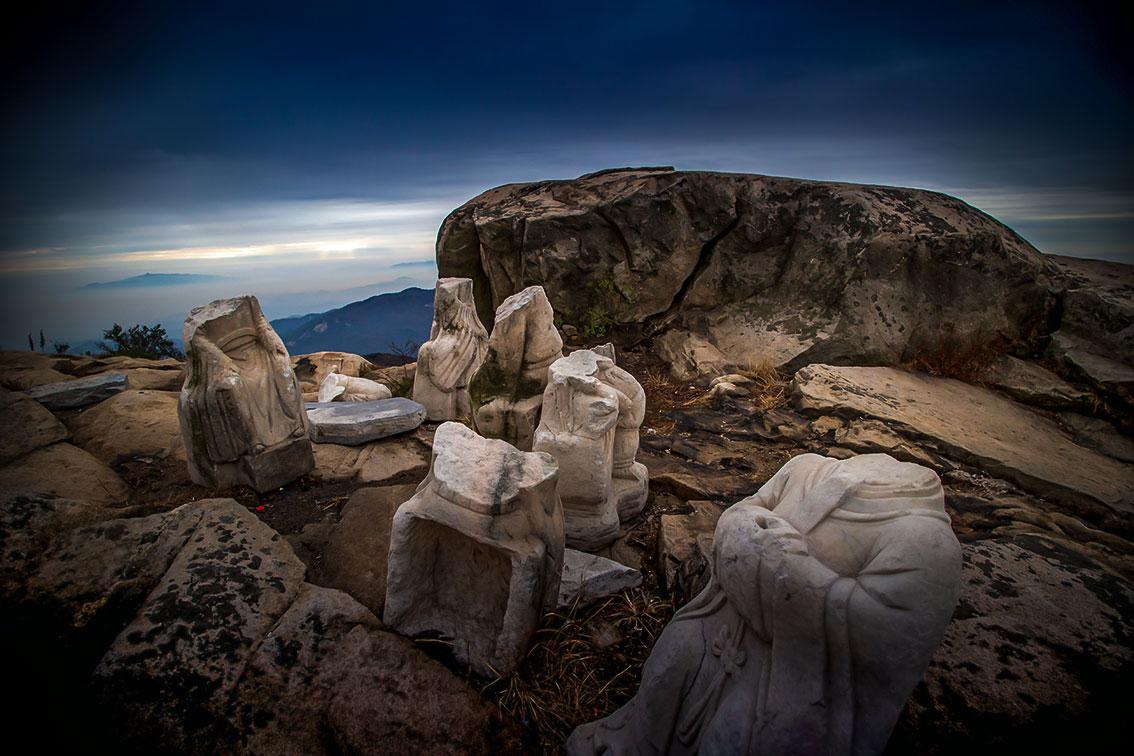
point(630, 478)
point(476, 554)
point(240, 410)
point(577, 427)
point(507, 389)
point(831, 589)
point(455, 349)
point(346, 388)
point(591, 413)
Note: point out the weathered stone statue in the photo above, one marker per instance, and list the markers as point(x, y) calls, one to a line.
point(631, 480)
point(577, 428)
point(240, 411)
point(832, 587)
point(454, 351)
point(476, 554)
point(346, 388)
point(507, 389)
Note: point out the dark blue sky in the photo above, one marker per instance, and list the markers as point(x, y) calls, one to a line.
point(145, 136)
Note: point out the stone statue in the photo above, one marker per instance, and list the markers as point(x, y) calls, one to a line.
point(507, 389)
point(831, 589)
point(454, 351)
point(346, 388)
point(631, 480)
point(240, 410)
point(577, 427)
point(476, 554)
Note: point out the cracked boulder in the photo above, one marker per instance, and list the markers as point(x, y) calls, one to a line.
point(734, 266)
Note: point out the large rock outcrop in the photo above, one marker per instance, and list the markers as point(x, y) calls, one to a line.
point(735, 268)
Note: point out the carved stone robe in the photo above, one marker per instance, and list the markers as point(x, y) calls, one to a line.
point(832, 587)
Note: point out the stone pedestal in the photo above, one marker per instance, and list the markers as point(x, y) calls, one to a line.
point(476, 554)
point(507, 389)
point(455, 349)
point(241, 415)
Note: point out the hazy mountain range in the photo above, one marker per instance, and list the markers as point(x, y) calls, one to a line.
point(382, 323)
point(155, 279)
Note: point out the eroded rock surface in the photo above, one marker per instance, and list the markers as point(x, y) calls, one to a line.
point(25, 425)
point(456, 346)
point(974, 426)
point(203, 638)
point(64, 470)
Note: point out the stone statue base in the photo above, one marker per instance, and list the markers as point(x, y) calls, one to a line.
point(263, 471)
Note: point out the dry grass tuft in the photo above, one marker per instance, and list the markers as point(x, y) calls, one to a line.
point(769, 385)
point(662, 395)
point(584, 664)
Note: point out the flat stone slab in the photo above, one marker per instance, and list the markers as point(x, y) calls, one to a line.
point(355, 423)
point(81, 392)
point(971, 425)
point(589, 577)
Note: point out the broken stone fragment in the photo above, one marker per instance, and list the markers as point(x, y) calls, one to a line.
point(355, 423)
point(476, 554)
point(241, 414)
point(345, 388)
point(80, 392)
point(589, 577)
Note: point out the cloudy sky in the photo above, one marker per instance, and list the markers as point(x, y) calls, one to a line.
point(293, 147)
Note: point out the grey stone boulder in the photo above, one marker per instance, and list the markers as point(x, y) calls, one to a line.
point(66, 471)
point(587, 578)
point(134, 423)
point(81, 392)
point(971, 425)
point(398, 459)
point(731, 267)
point(25, 425)
point(355, 423)
point(355, 557)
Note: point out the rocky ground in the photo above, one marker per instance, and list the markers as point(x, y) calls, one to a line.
point(152, 613)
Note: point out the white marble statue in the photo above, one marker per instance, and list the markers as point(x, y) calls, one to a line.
point(240, 410)
point(476, 554)
point(507, 389)
point(831, 589)
point(347, 388)
point(456, 346)
point(577, 427)
point(630, 477)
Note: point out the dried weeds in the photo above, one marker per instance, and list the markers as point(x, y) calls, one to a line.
point(583, 665)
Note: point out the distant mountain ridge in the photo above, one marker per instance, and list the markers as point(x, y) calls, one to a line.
point(371, 325)
point(155, 279)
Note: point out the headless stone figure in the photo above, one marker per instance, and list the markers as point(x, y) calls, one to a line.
point(240, 409)
point(455, 349)
point(831, 588)
point(507, 389)
point(577, 427)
